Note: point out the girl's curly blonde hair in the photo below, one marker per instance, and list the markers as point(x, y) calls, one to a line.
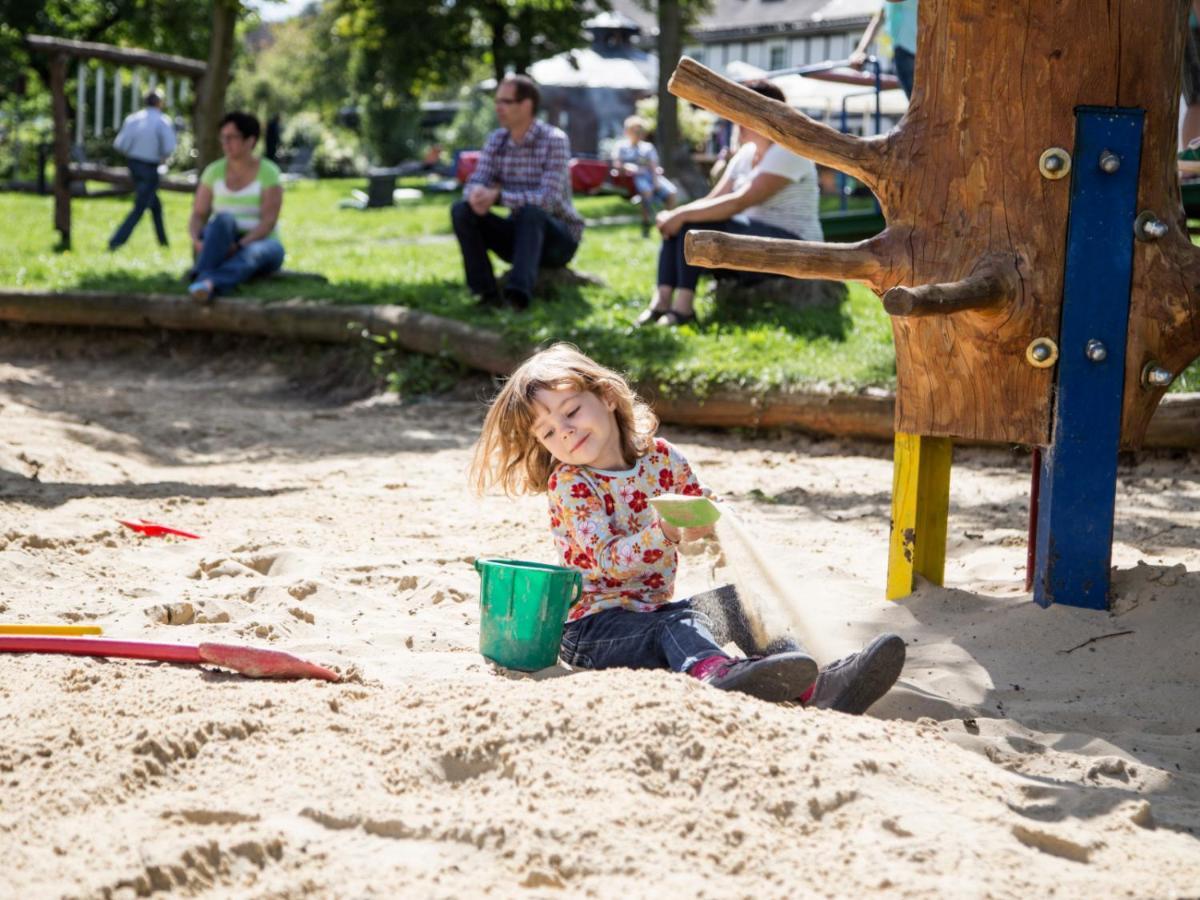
point(508, 453)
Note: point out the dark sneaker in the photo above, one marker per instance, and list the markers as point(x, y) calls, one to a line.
point(775, 678)
point(854, 682)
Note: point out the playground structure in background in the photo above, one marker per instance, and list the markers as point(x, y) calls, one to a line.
point(1042, 285)
point(61, 51)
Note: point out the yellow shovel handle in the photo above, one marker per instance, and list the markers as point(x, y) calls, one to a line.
point(50, 629)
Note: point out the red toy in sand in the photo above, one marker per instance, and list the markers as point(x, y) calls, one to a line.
point(252, 661)
point(153, 529)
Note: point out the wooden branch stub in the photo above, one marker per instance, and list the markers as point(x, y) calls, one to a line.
point(778, 121)
point(991, 286)
point(795, 259)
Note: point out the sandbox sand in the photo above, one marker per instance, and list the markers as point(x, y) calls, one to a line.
point(1026, 751)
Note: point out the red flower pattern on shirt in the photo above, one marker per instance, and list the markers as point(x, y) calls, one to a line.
point(603, 530)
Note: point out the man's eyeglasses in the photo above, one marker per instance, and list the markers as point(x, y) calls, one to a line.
point(506, 101)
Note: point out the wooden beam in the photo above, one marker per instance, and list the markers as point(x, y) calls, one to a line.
point(920, 507)
point(120, 176)
point(858, 415)
point(62, 150)
point(864, 261)
point(126, 56)
point(778, 121)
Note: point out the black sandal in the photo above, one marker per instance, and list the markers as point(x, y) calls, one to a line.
point(673, 318)
point(649, 316)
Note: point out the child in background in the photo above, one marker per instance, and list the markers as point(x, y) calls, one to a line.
point(637, 156)
point(565, 425)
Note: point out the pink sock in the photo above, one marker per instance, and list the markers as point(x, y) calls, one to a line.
point(702, 669)
point(807, 695)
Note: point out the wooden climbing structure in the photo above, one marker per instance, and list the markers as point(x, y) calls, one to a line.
point(61, 51)
point(1042, 285)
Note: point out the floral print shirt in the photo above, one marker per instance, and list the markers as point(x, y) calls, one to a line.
point(605, 528)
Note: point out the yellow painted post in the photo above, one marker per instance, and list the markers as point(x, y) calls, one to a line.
point(920, 507)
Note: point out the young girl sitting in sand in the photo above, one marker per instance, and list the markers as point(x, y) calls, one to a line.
point(566, 425)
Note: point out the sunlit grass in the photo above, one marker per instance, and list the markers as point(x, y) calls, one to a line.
point(405, 255)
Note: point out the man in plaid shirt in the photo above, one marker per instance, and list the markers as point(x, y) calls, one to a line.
point(523, 166)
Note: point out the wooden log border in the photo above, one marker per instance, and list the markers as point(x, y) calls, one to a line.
point(1176, 424)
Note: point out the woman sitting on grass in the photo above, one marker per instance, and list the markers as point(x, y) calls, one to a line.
point(242, 195)
point(765, 191)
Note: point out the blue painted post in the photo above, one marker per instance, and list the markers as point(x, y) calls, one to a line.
point(1079, 469)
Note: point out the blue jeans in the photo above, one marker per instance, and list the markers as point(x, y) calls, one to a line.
point(145, 197)
point(674, 636)
point(225, 271)
point(530, 238)
point(676, 272)
point(906, 64)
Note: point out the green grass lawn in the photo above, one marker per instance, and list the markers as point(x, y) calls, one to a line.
point(405, 255)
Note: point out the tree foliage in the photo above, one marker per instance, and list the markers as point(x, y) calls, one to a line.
point(414, 46)
point(167, 26)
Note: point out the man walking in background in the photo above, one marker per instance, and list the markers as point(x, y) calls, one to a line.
point(524, 166)
point(147, 139)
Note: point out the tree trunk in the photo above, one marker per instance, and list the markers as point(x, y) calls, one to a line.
point(673, 150)
point(210, 98)
point(975, 225)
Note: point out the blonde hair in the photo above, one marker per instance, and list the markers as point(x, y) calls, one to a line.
point(509, 454)
point(637, 122)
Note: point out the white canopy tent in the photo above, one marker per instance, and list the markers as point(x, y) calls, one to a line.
point(587, 68)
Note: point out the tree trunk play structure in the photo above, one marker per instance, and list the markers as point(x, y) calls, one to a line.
point(1042, 286)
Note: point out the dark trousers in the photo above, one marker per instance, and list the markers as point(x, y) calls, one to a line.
point(906, 64)
point(676, 272)
point(530, 238)
point(145, 197)
point(675, 636)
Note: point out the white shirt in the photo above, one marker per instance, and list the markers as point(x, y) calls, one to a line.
point(146, 135)
point(796, 206)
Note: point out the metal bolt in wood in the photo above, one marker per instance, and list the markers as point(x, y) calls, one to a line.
point(1155, 375)
point(1055, 163)
point(1042, 353)
point(1149, 227)
point(1110, 163)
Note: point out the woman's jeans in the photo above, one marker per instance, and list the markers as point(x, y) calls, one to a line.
point(675, 636)
point(225, 271)
point(676, 272)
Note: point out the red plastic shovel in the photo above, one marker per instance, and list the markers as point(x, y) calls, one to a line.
point(153, 529)
point(252, 661)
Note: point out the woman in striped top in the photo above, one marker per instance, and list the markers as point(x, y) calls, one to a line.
point(233, 223)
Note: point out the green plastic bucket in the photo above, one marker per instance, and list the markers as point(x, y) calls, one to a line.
point(523, 608)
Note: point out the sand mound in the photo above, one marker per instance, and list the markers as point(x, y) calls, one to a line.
point(1026, 751)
